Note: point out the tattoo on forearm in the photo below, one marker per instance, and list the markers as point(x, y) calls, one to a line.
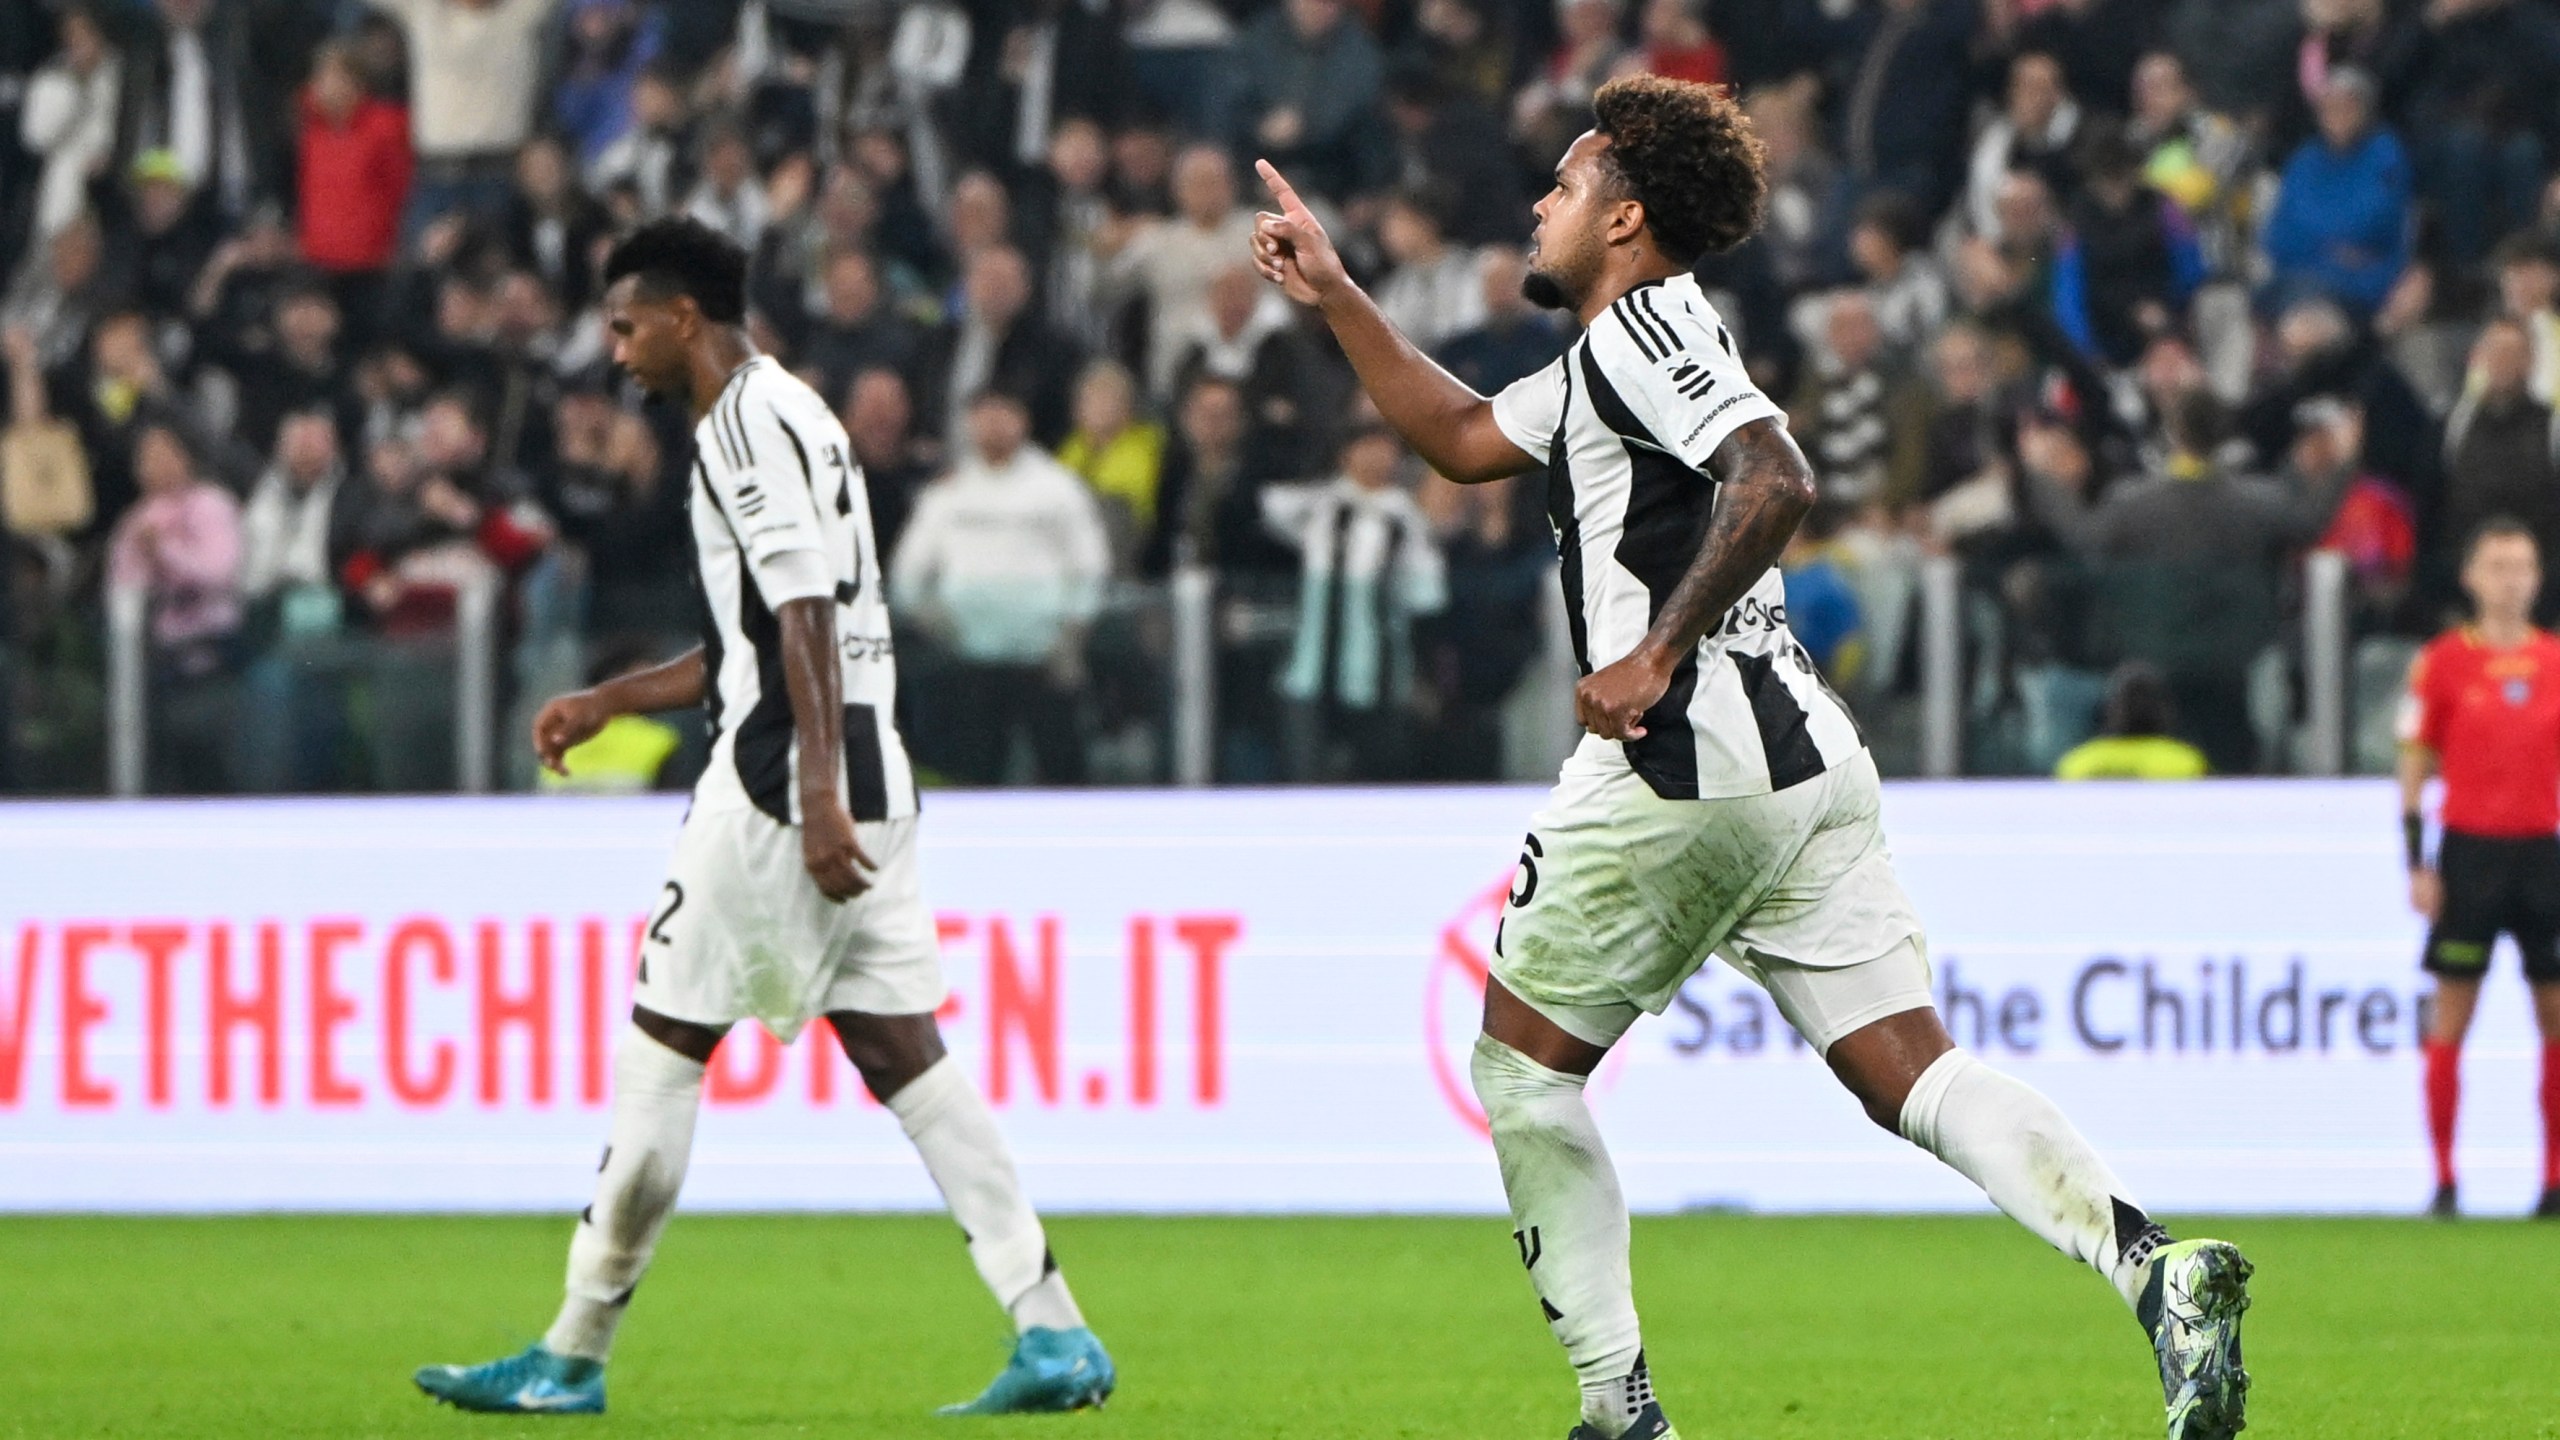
point(1767, 488)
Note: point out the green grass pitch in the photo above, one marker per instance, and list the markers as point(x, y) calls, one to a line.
point(857, 1325)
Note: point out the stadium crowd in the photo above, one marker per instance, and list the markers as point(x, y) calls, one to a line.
point(2123, 304)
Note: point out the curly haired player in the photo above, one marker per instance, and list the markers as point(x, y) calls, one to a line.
point(1723, 801)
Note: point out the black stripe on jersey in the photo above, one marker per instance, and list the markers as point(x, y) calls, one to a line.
point(1646, 344)
point(1667, 508)
point(1568, 528)
point(1642, 297)
point(711, 651)
point(866, 772)
point(1784, 735)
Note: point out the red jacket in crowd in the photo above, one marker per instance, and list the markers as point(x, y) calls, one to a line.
point(355, 179)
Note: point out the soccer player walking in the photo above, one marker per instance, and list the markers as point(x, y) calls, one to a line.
point(1723, 801)
point(2483, 710)
point(793, 892)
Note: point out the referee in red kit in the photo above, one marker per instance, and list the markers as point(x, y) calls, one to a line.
point(2483, 710)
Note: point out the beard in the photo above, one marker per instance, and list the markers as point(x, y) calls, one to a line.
point(1544, 291)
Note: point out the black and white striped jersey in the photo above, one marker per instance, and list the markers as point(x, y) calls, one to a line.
point(780, 513)
point(1626, 421)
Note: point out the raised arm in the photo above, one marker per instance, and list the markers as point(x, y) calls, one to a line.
point(1766, 488)
point(1449, 425)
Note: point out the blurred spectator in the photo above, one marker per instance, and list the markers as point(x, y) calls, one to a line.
point(1003, 563)
point(649, 155)
point(610, 43)
point(2499, 449)
point(1434, 289)
point(614, 498)
point(896, 463)
point(1908, 292)
point(2129, 260)
point(996, 342)
point(180, 546)
point(158, 233)
point(1171, 263)
point(356, 164)
point(1209, 504)
point(1900, 73)
point(1449, 143)
point(1501, 571)
point(1556, 106)
point(979, 217)
point(857, 330)
point(2136, 740)
point(2188, 560)
point(61, 291)
point(2193, 156)
point(2340, 226)
point(1857, 413)
point(296, 367)
point(2479, 102)
point(2098, 43)
point(1311, 80)
point(1462, 46)
point(730, 196)
point(2036, 130)
point(1514, 339)
point(193, 89)
point(2374, 526)
point(2372, 36)
point(68, 119)
point(1047, 60)
point(551, 226)
point(1065, 214)
point(286, 527)
point(1115, 452)
point(2527, 272)
point(1822, 605)
point(1807, 194)
point(1673, 41)
point(1249, 336)
point(474, 69)
point(2318, 352)
point(1179, 61)
point(1370, 568)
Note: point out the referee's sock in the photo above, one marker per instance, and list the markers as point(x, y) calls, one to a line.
point(956, 1134)
point(2444, 1102)
point(2551, 1115)
point(656, 1094)
point(1570, 1220)
point(2034, 1164)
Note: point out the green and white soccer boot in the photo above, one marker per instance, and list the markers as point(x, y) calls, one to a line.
point(1649, 1425)
point(2192, 1306)
point(535, 1382)
point(1051, 1370)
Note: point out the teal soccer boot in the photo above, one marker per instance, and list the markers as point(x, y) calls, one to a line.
point(535, 1382)
point(1051, 1370)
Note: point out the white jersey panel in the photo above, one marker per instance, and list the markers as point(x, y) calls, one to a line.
point(780, 513)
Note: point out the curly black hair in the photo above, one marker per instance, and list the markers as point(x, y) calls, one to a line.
point(680, 255)
point(1687, 153)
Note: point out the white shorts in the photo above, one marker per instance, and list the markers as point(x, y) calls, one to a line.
point(741, 932)
point(1622, 895)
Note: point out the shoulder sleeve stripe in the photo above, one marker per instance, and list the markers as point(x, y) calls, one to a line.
point(806, 474)
point(1626, 313)
point(1662, 328)
point(736, 410)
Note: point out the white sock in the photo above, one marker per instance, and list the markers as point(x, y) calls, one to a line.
point(2014, 1143)
point(956, 1134)
point(1570, 1221)
point(656, 1093)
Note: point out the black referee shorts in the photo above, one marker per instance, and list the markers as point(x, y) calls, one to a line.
point(2494, 886)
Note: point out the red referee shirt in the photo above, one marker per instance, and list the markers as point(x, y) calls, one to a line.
point(2493, 719)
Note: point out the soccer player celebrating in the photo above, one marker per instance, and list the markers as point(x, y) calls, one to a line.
point(2484, 711)
point(793, 891)
point(1723, 800)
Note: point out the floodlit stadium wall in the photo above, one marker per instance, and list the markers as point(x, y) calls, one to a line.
point(1203, 1001)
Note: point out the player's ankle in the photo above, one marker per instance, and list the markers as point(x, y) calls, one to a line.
point(1611, 1403)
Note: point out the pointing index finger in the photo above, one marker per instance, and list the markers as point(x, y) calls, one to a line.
point(1280, 189)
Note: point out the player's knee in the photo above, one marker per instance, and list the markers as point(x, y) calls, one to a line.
point(1509, 1084)
point(889, 1051)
